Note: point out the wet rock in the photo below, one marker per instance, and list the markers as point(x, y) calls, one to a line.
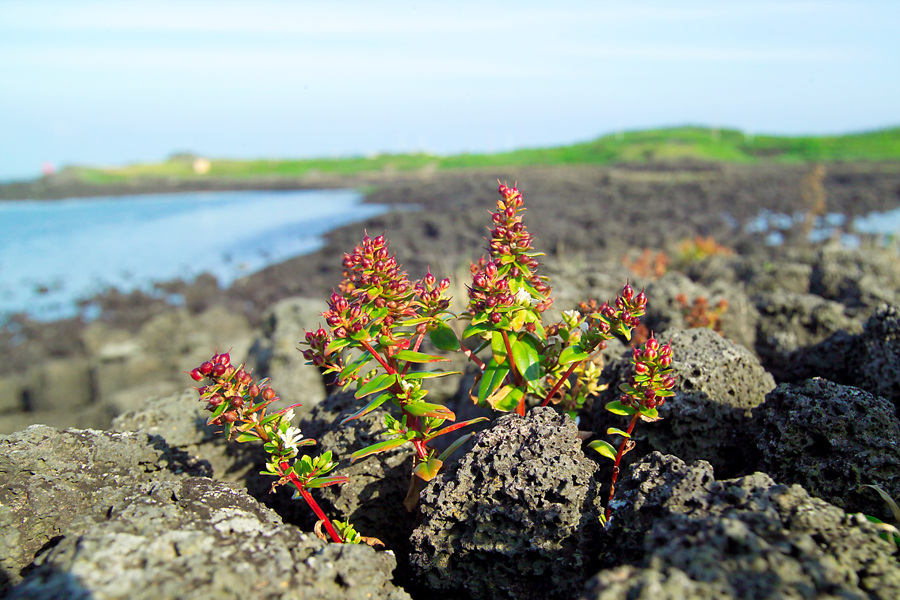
point(869, 360)
point(682, 534)
point(511, 518)
point(831, 439)
point(276, 353)
point(717, 383)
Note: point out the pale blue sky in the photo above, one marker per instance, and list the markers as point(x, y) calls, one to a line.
point(116, 82)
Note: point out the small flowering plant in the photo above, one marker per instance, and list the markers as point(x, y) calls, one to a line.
point(377, 321)
point(239, 404)
point(650, 385)
point(379, 313)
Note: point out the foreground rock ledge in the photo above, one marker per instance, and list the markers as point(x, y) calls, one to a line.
point(91, 514)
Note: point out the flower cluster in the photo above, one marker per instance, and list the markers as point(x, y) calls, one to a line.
point(239, 404)
point(489, 292)
point(652, 380)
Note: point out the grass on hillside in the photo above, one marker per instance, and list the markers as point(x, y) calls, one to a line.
point(676, 144)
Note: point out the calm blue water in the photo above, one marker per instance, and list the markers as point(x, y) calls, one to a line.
point(885, 224)
point(53, 254)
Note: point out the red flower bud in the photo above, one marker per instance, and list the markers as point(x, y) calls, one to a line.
point(627, 292)
point(268, 394)
point(206, 368)
point(196, 375)
point(652, 344)
point(254, 390)
point(218, 370)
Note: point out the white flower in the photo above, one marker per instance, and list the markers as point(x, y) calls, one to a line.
point(523, 297)
point(571, 317)
point(290, 437)
point(287, 416)
point(406, 385)
point(584, 326)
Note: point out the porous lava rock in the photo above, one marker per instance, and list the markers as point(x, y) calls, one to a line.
point(717, 384)
point(107, 515)
point(790, 321)
point(512, 518)
point(869, 360)
point(53, 481)
point(831, 439)
point(677, 533)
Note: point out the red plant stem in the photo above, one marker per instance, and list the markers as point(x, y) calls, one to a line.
point(559, 383)
point(415, 349)
point(312, 504)
point(619, 454)
point(471, 356)
point(365, 344)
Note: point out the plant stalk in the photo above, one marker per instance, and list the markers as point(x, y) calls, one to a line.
point(619, 454)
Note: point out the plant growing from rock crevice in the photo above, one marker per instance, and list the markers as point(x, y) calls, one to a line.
point(239, 404)
point(377, 321)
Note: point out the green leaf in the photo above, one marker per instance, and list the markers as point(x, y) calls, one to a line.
point(491, 379)
point(247, 437)
point(320, 482)
point(354, 367)
point(428, 469)
point(604, 448)
point(506, 399)
point(454, 427)
point(430, 374)
point(443, 338)
point(376, 384)
point(572, 354)
point(617, 408)
point(498, 346)
point(615, 431)
point(528, 361)
point(650, 413)
point(427, 409)
point(336, 344)
point(376, 448)
point(378, 401)
point(475, 329)
point(418, 357)
point(452, 447)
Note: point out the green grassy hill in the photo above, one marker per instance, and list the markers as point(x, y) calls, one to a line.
point(657, 145)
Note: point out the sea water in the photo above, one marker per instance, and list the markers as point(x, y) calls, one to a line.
point(55, 253)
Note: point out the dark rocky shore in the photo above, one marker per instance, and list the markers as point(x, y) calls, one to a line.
point(750, 487)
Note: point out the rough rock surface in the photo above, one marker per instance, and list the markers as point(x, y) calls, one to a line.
point(717, 383)
point(684, 535)
point(831, 439)
point(181, 420)
point(134, 526)
point(789, 321)
point(869, 360)
point(511, 518)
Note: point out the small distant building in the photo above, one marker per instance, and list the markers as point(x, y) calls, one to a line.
point(201, 166)
point(48, 169)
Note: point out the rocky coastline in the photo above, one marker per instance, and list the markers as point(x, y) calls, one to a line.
point(750, 487)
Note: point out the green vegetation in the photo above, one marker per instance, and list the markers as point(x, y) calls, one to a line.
point(657, 145)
